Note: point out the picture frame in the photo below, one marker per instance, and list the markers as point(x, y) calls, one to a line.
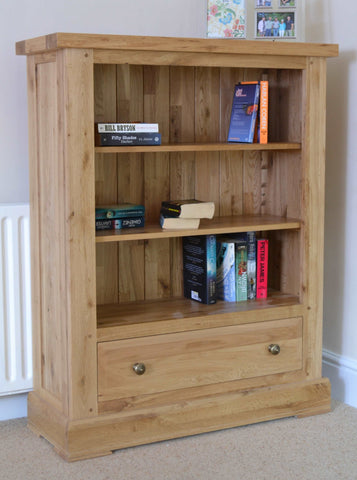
point(226, 19)
point(275, 25)
point(287, 3)
point(263, 3)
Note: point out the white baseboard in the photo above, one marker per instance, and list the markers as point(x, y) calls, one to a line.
point(342, 372)
point(13, 406)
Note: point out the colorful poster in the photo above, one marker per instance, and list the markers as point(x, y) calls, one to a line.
point(226, 19)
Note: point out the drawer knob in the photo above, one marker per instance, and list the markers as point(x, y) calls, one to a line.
point(139, 368)
point(274, 349)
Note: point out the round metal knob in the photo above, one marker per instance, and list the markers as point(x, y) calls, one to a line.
point(274, 349)
point(139, 368)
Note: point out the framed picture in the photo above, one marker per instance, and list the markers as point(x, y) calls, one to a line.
point(288, 3)
point(226, 19)
point(275, 24)
point(263, 3)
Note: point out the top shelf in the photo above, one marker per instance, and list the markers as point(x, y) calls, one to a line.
point(56, 41)
point(201, 147)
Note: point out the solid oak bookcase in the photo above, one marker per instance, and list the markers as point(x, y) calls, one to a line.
point(109, 306)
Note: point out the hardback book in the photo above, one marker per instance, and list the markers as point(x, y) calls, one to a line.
point(136, 138)
point(176, 223)
point(262, 268)
point(127, 127)
point(199, 268)
point(188, 208)
point(244, 113)
point(119, 223)
point(122, 210)
point(226, 271)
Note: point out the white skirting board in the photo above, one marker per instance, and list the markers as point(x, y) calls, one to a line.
point(342, 372)
point(15, 300)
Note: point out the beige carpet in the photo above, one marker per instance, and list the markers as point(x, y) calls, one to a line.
point(323, 447)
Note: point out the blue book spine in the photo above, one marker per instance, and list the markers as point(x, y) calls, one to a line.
point(226, 271)
point(244, 113)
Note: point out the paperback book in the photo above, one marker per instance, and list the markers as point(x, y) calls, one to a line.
point(244, 113)
point(117, 139)
point(127, 127)
point(188, 208)
point(199, 268)
point(123, 210)
point(119, 223)
point(176, 223)
point(262, 268)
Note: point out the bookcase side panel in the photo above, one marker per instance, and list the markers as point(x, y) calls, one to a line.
point(48, 227)
point(77, 115)
point(313, 194)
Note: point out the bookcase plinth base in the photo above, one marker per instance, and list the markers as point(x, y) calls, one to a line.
point(100, 435)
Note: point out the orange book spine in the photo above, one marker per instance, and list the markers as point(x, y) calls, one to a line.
point(264, 111)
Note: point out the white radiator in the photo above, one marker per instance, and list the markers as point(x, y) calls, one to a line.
point(15, 300)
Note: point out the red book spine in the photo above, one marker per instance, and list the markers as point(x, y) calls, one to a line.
point(262, 268)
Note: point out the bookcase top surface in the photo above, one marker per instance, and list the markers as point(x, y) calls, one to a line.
point(56, 41)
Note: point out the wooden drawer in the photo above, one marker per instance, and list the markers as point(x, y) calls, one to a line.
point(196, 358)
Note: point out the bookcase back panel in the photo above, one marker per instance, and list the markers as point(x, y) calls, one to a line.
point(191, 105)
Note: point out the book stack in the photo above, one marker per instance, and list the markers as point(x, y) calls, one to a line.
point(116, 134)
point(242, 267)
point(116, 217)
point(249, 115)
point(184, 214)
point(231, 268)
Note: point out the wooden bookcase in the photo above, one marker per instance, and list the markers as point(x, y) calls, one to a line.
point(102, 303)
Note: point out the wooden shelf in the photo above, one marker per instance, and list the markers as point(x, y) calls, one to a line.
point(216, 226)
point(201, 147)
point(155, 317)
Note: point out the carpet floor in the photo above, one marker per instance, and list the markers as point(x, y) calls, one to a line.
point(323, 447)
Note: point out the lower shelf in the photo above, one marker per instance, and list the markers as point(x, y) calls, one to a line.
point(155, 317)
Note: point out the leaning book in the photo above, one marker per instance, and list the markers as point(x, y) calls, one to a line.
point(244, 113)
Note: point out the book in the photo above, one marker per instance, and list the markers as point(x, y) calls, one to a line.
point(199, 268)
point(176, 223)
point(262, 268)
point(244, 113)
point(261, 124)
point(188, 208)
point(117, 139)
point(119, 223)
point(127, 127)
point(241, 268)
point(122, 210)
point(226, 271)
point(263, 112)
point(251, 265)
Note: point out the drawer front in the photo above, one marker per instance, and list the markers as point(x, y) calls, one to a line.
point(197, 358)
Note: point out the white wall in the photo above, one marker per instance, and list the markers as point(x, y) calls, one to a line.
point(326, 21)
point(24, 19)
point(334, 22)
